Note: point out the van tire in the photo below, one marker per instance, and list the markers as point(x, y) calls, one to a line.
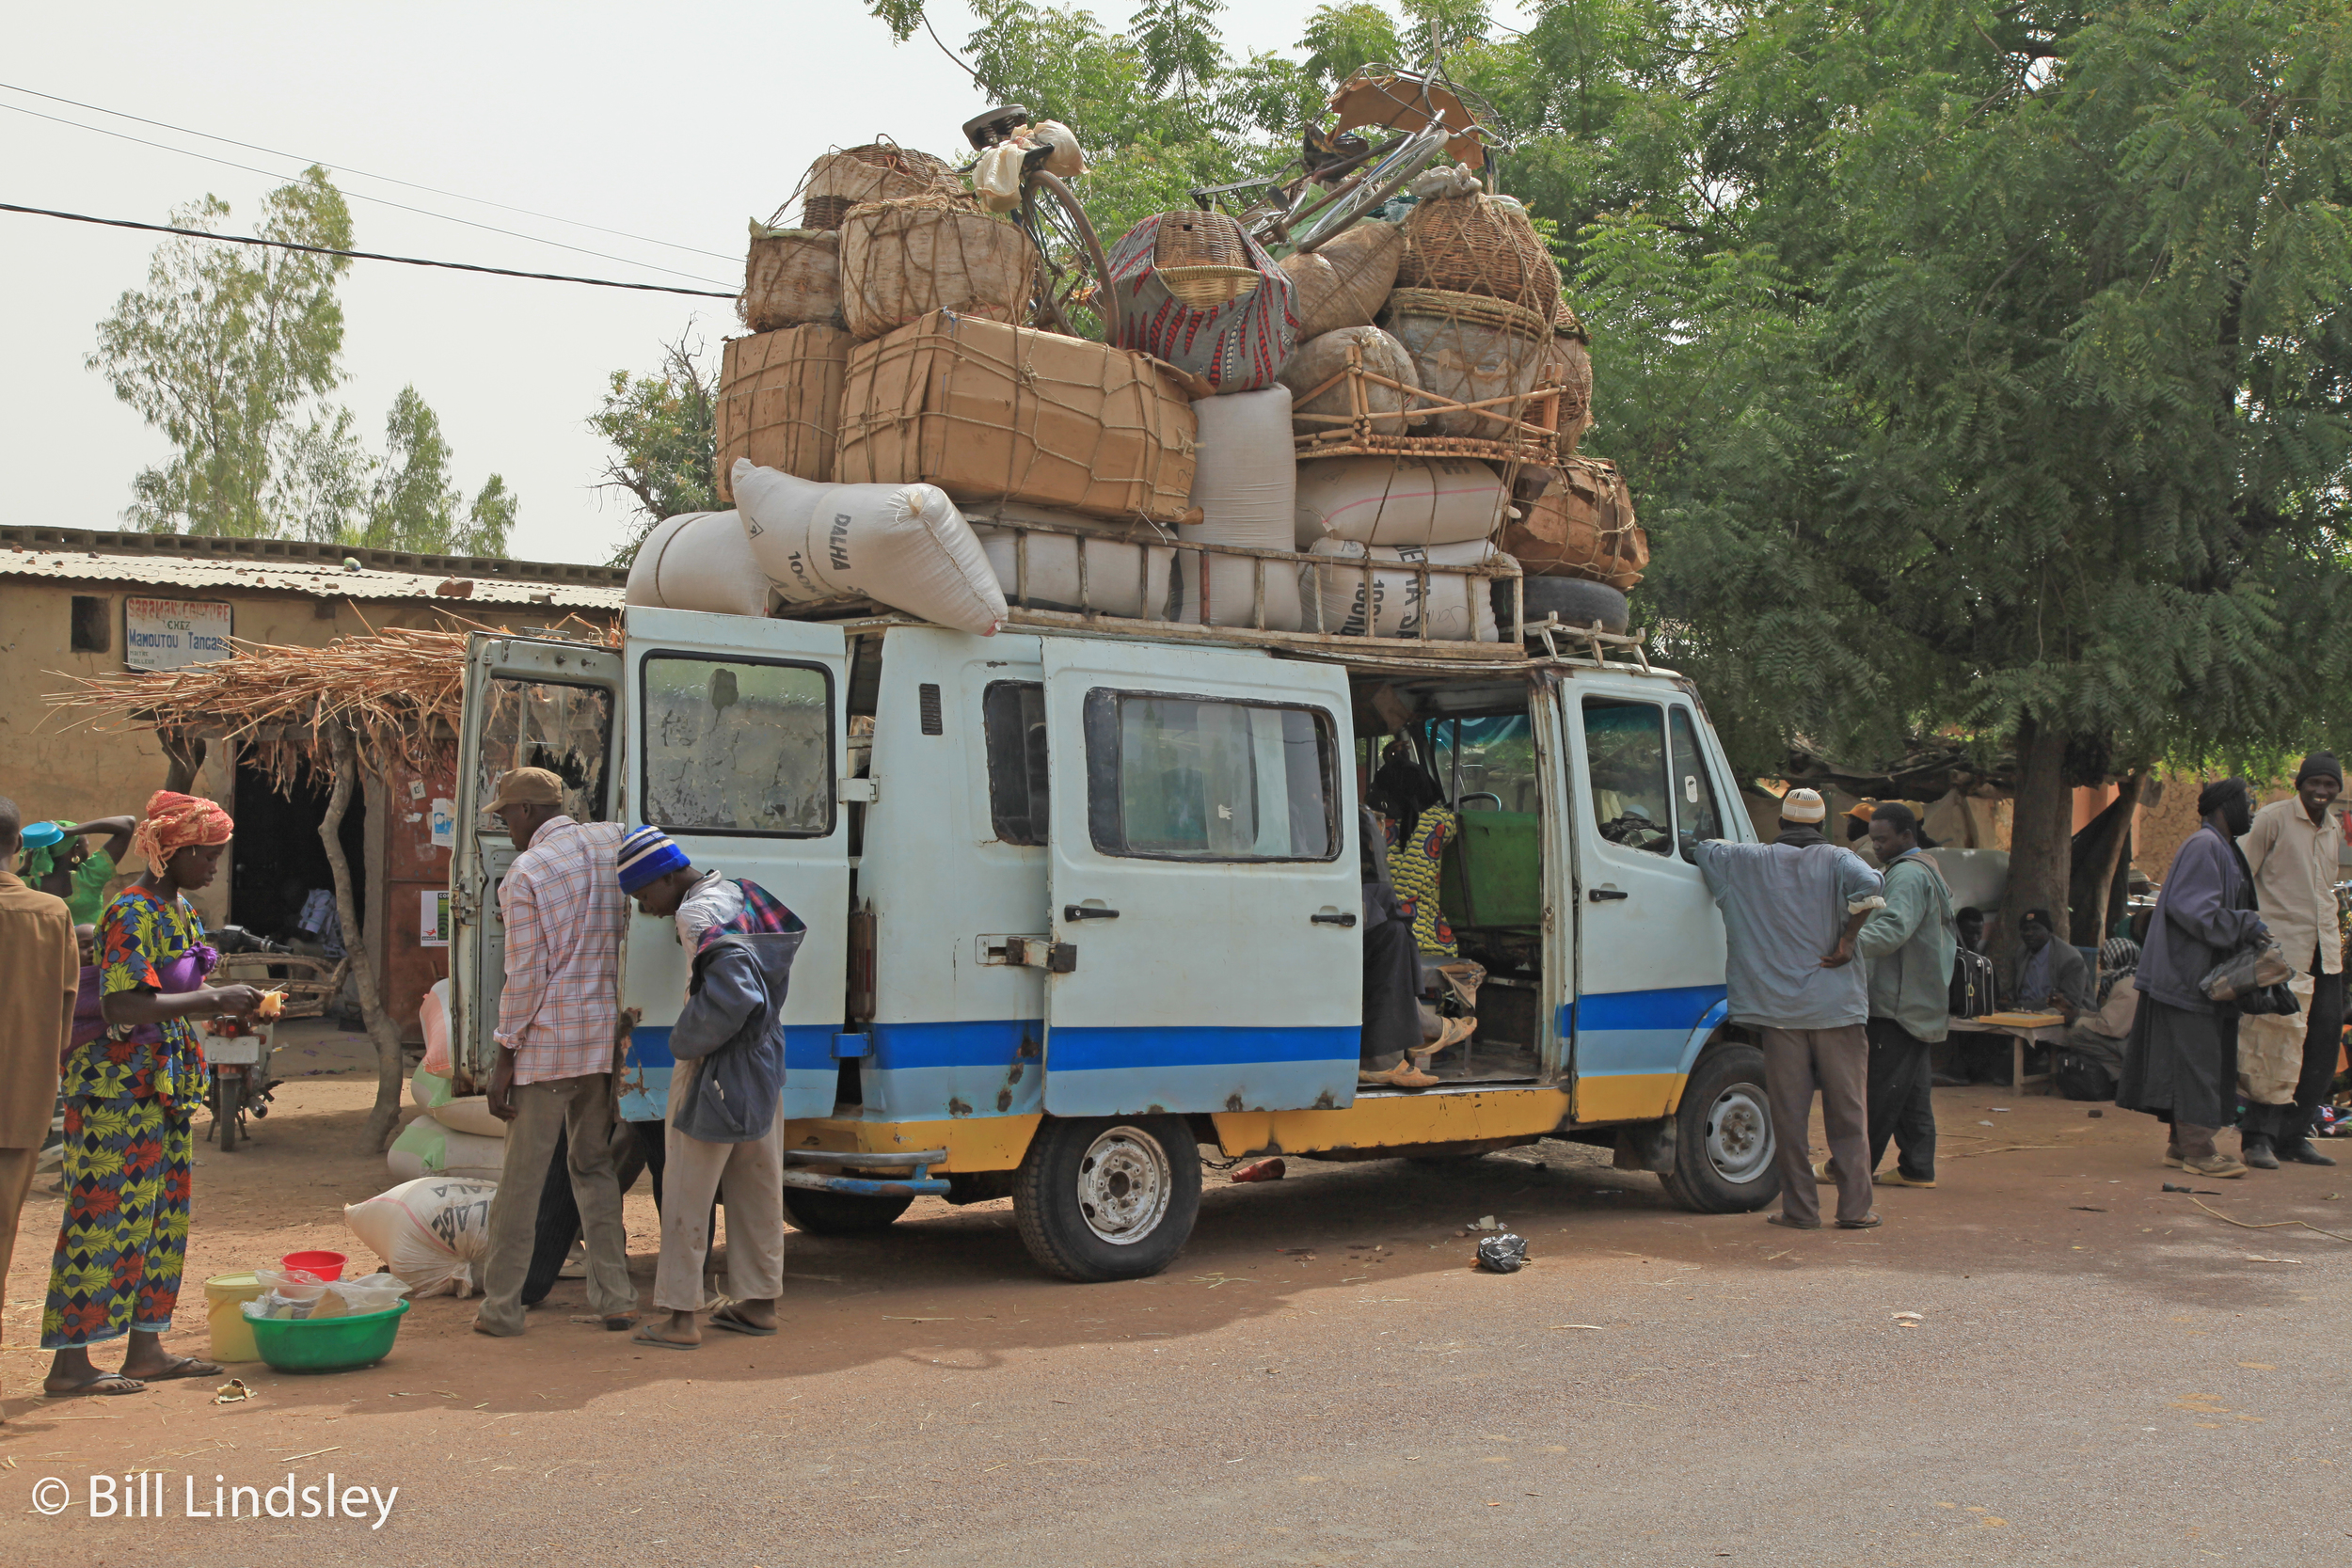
point(1722, 1161)
point(1108, 1198)
point(1577, 603)
point(841, 1214)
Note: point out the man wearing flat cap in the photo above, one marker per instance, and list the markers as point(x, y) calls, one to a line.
point(558, 1018)
point(2293, 854)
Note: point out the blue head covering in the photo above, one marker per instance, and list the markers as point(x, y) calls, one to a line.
point(648, 855)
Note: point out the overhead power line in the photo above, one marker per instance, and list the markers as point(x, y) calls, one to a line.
point(388, 178)
point(356, 196)
point(361, 255)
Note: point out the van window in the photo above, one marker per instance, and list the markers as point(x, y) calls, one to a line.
point(1013, 719)
point(1695, 791)
point(1186, 778)
point(738, 746)
point(1497, 757)
point(1625, 746)
point(566, 729)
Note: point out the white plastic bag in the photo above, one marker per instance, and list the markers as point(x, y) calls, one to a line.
point(1247, 489)
point(298, 1293)
point(905, 546)
point(996, 178)
point(1068, 159)
point(699, 561)
point(1398, 501)
point(434, 1016)
point(431, 1232)
point(1460, 609)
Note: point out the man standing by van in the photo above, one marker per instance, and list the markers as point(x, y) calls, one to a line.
point(558, 1018)
point(2293, 852)
point(1791, 911)
point(1909, 946)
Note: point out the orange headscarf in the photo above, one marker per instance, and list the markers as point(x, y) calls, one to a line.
point(174, 822)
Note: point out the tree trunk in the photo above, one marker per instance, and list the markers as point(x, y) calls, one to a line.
point(2102, 847)
point(2042, 834)
point(386, 1114)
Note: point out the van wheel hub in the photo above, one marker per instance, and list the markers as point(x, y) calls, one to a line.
point(1739, 1134)
point(1123, 1185)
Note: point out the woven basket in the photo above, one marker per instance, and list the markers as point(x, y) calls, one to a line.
point(879, 171)
point(1344, 282)
point(1197, 239)
point(791, 277)
point(1581, 526)
point(780, 402)
point(1235, 342)
point(1477, 244)
point(1469, 348)
point(901, 260)
point(1567, 323)
point(1205, 287)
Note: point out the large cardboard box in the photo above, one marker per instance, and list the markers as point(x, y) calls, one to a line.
point(780, 401)
point(990, 412)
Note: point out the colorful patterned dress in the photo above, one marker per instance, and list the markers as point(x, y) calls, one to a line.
point(1413, 872)
point(129, 1107)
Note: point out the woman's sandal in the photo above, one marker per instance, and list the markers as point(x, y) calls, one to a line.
point(183, 1366)
point(101, 1383)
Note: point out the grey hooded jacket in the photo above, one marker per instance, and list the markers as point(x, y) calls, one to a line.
point(729, 1040)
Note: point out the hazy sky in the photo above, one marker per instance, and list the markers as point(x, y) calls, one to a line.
point(677, 122)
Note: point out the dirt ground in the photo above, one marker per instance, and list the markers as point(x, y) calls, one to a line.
point(2098, 1371)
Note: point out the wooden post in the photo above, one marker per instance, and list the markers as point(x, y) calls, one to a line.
point(385, 1114)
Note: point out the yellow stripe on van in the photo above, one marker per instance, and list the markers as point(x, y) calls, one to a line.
point(1628, 1096)
point(1391, 1121)
point(980, 1143)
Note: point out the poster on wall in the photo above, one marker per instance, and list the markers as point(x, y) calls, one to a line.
point(433, 919)
point(172, 634)
point(444, 819)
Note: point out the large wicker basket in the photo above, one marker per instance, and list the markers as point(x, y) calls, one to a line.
point(901, 260)
point(1581, 526)
point(792, 275)
point(1569, 365)
point(1198, 239)
point(879, 171)
point(1471, 349)
point(1478, 244)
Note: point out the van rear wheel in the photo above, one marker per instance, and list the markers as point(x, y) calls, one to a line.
point(1724, 1135)
point(840, 1213)
point(1108, 1198)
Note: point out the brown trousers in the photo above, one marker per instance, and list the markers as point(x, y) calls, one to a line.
point(1837, 1061)
point(16, 1183)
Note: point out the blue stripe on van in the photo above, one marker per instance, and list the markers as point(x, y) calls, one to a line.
point(807, 1047)
point(1636, 1031)
point(810, 1072)
point(971, 1042)
point(1089, 1049)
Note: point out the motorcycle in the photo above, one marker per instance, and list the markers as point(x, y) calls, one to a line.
point(237, 1060)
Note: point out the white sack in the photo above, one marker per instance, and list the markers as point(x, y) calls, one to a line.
point(1398, 501)
point(1121, 578)
point(905, 546)
point(1461, 610)
point(699, 561)
point(1247, 489)
point(431, 1232)
point(470, 1116)
point(434, 1016)
point(425, 1147)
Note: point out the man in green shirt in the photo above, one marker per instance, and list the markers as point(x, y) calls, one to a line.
point(1908, 945)
point(65, 866)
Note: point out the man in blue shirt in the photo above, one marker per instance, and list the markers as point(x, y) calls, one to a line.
point(1792, 911)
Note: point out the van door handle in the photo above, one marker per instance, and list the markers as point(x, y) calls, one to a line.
point(1341, 920)
point(1603, 895)
point(1088, 912)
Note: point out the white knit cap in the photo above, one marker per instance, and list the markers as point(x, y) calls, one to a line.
point(1802, 806)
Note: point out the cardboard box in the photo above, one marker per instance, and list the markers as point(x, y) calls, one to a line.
point(780, 401)
point(990, 412)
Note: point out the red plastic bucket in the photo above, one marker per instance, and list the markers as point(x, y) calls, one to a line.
point(324, 1266)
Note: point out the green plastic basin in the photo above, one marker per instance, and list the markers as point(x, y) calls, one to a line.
point(327, 1344)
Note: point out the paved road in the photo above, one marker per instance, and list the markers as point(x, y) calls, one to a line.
point(2098, 1373)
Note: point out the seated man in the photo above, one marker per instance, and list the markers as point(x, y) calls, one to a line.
point(2090, 1058)
point(2049, 974)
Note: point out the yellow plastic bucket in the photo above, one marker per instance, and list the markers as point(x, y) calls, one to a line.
point(225, 1295)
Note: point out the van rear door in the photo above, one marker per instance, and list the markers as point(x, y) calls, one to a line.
point(734, 741)
point(1206, 899)
point(530, 703)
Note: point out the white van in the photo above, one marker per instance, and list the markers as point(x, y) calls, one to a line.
point(1084, 896)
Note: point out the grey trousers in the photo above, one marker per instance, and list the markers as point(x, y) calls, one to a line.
point(579, 1109)
point(1837, 1061)
point(751, 1177)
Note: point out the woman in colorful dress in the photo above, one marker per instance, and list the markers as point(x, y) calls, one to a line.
point(130, 1103)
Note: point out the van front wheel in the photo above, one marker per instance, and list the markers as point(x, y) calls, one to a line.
point(1108, 1198)
point(1724, 1135)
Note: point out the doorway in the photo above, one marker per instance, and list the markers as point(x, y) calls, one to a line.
point(276, 859)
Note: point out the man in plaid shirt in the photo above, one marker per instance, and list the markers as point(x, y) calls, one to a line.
point(558, 1023)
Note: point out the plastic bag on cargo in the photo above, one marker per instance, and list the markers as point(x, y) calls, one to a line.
point(996, 178)
point(433, 1233)
point(434, 1016)
point(905, 546)
point(1444, 181)
point(1068, 159)
point(2251, 968)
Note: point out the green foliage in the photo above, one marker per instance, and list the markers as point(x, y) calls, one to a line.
point(1341, 39)
point(663, 434)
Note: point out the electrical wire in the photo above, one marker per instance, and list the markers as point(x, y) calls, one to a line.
point(388, 178)
point(361, 255)
point(356, 196)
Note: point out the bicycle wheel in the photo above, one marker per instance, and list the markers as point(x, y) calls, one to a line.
point(1073, 293)
point(1383, 181)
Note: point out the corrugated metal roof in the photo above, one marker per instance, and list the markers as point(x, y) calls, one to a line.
point(318, 579)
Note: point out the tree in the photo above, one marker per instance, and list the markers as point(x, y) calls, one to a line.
point(222, 350)
point(664, 432)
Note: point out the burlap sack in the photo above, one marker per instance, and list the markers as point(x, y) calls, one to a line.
point(878, 171)
point(1581, 526)
point(1470, 348)
point(1569, 365)
point(791, 276)
point(1344, 281)
point(901, 260)
point(1319, 359)
point(990, 412)
point(780, 401)
point(2270, 1050)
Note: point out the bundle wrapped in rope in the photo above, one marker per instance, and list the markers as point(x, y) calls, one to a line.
point(1478, 244)
point(881, 170)
point(791, 277)
point(1344, 281)
point(1472, 348)
point(1196, 292)
point(1581, 526)
point(1567, 364)
point(780, 401)
point(902, 260)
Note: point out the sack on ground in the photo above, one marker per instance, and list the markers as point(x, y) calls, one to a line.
point(470, 1116)
point(429, 1089)
point(425, 1147)
point(904, 546)
point(2270, 1050)
point(434, 1017)
point(433, 1233)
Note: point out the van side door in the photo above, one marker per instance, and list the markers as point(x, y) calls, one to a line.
point(736, 732)
point(530, 703)
point(1650, 944)
point(1207, 901)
